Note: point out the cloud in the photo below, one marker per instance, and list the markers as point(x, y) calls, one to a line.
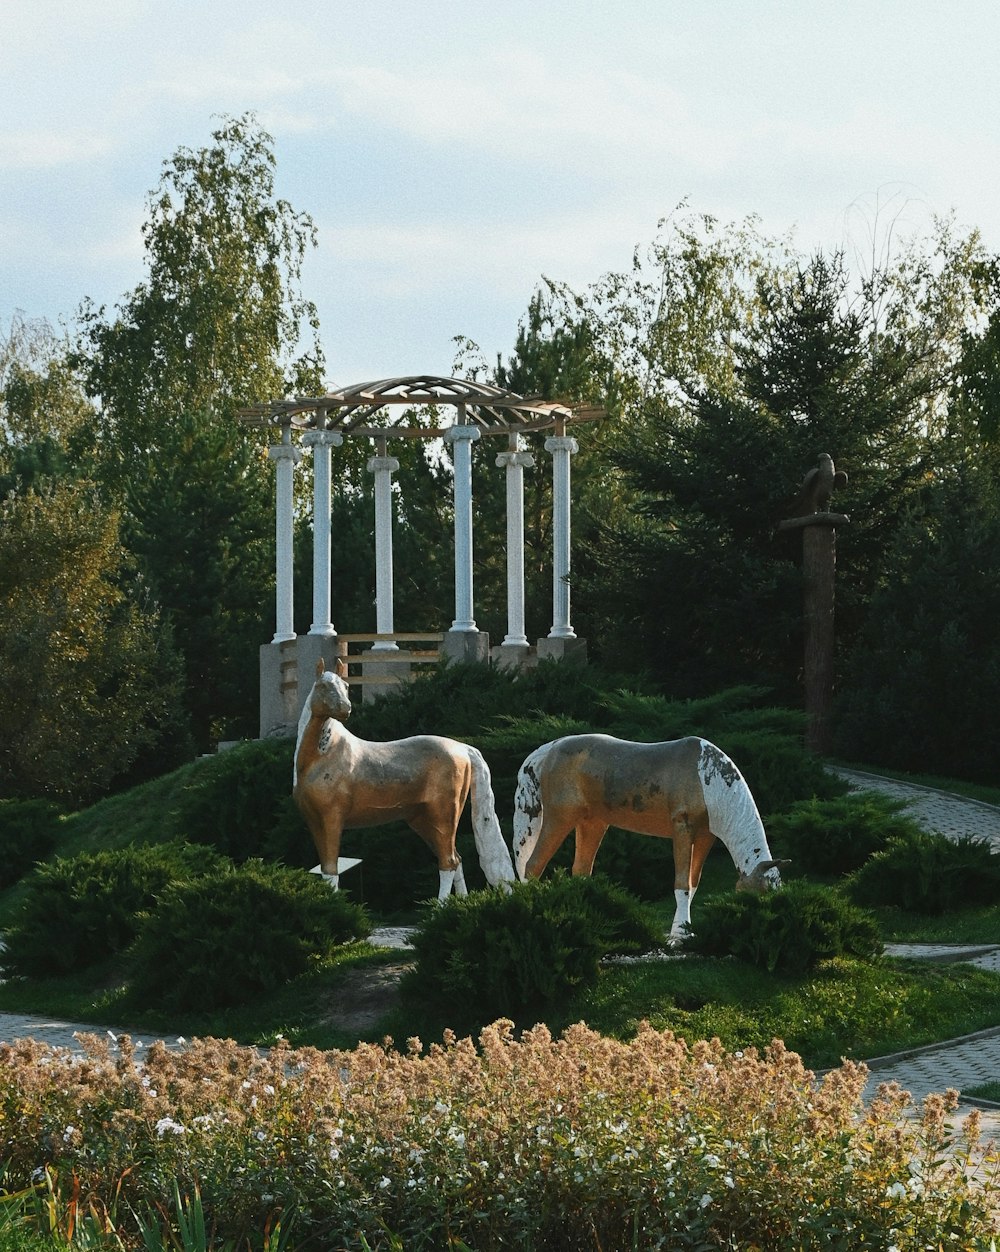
point(46, 149)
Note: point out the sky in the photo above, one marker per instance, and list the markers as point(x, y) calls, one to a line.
point(453, 152)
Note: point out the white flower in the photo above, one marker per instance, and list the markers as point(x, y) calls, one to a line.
point(705, 1201)
point(385, 1182)
point(68, 1134)
point(897, 1191)
point(166, 1124)
point(456, 1136)
point(712, 1161)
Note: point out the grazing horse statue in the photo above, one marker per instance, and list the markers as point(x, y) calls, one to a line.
point(341, 782)
point(686, 790)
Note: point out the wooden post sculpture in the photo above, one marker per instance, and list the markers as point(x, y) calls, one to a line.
point(819, 560)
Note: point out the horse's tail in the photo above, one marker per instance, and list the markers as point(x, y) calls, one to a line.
point(528, 808)
point(494, 855)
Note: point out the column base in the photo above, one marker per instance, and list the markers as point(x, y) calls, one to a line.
point(466, 645)
point(514, 656)
point(279, 702)
point(574, 649)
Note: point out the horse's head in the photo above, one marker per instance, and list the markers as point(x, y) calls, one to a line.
point(763, 877)
point(329, 696)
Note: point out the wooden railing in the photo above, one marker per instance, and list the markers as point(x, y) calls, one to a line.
point(385, 666)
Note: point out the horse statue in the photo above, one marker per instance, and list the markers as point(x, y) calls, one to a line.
point(341, 782)
point(686, 790)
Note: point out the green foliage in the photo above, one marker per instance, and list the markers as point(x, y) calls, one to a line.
point(240, 802)
point(28, 833)
point(82, 688)
point(923, 686)
point(214, 326)
point(78, 910)
point(929, 873)
point(829, 838)
point(712, 475)
point(786, 931)
point(518, 954)
point(236, 933)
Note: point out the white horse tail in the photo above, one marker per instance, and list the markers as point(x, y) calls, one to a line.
point(733, 816)
point(494, 855)
point(528, 808)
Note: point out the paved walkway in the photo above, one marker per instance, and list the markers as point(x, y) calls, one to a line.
point(958, 1063)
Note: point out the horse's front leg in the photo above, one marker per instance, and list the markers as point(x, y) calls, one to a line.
point(684, 883)
point(326, 837)
point(452, 880)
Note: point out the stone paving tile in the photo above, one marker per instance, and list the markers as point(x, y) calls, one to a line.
point(949, 814)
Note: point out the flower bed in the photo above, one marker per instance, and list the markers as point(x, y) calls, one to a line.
point(530, 1142)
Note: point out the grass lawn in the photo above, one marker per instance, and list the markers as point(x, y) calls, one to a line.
point(842, 1009)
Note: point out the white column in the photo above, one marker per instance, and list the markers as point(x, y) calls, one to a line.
point(321, 441)
point(515, 462)
point(562, 448)
point(286, 457)
point(461, 439)
point(383, 467)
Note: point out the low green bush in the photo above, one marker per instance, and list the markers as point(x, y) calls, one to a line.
point(29, 830)
point(240, 802)
point(518, 953)
point(832, 837)
point(79, 910)
point(786, 931)
point(924, 872)
point(236, 933)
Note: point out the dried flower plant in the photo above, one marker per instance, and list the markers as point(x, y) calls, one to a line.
point(530, 1141)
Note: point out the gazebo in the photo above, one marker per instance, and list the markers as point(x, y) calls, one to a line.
point(380, 411)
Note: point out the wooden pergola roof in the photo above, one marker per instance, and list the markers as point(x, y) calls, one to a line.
point(352, 410)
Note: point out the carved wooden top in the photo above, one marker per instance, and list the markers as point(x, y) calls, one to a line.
point(365, 409)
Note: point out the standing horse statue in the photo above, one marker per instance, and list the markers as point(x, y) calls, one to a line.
point(686, 790)
point(341, 782)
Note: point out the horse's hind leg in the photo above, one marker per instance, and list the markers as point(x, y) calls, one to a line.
point(440, 838)
point(554, 829)
point(588, 839)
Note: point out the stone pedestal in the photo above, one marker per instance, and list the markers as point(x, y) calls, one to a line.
point(279, 707)
point(514, 656)
point(574, 649)
point(466, 645)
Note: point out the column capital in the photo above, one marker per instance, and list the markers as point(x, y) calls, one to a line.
point(284, 452)
point(562, 443)
point(458, 434)
point(524, 459)
point(323, 438)
point(383, 463)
